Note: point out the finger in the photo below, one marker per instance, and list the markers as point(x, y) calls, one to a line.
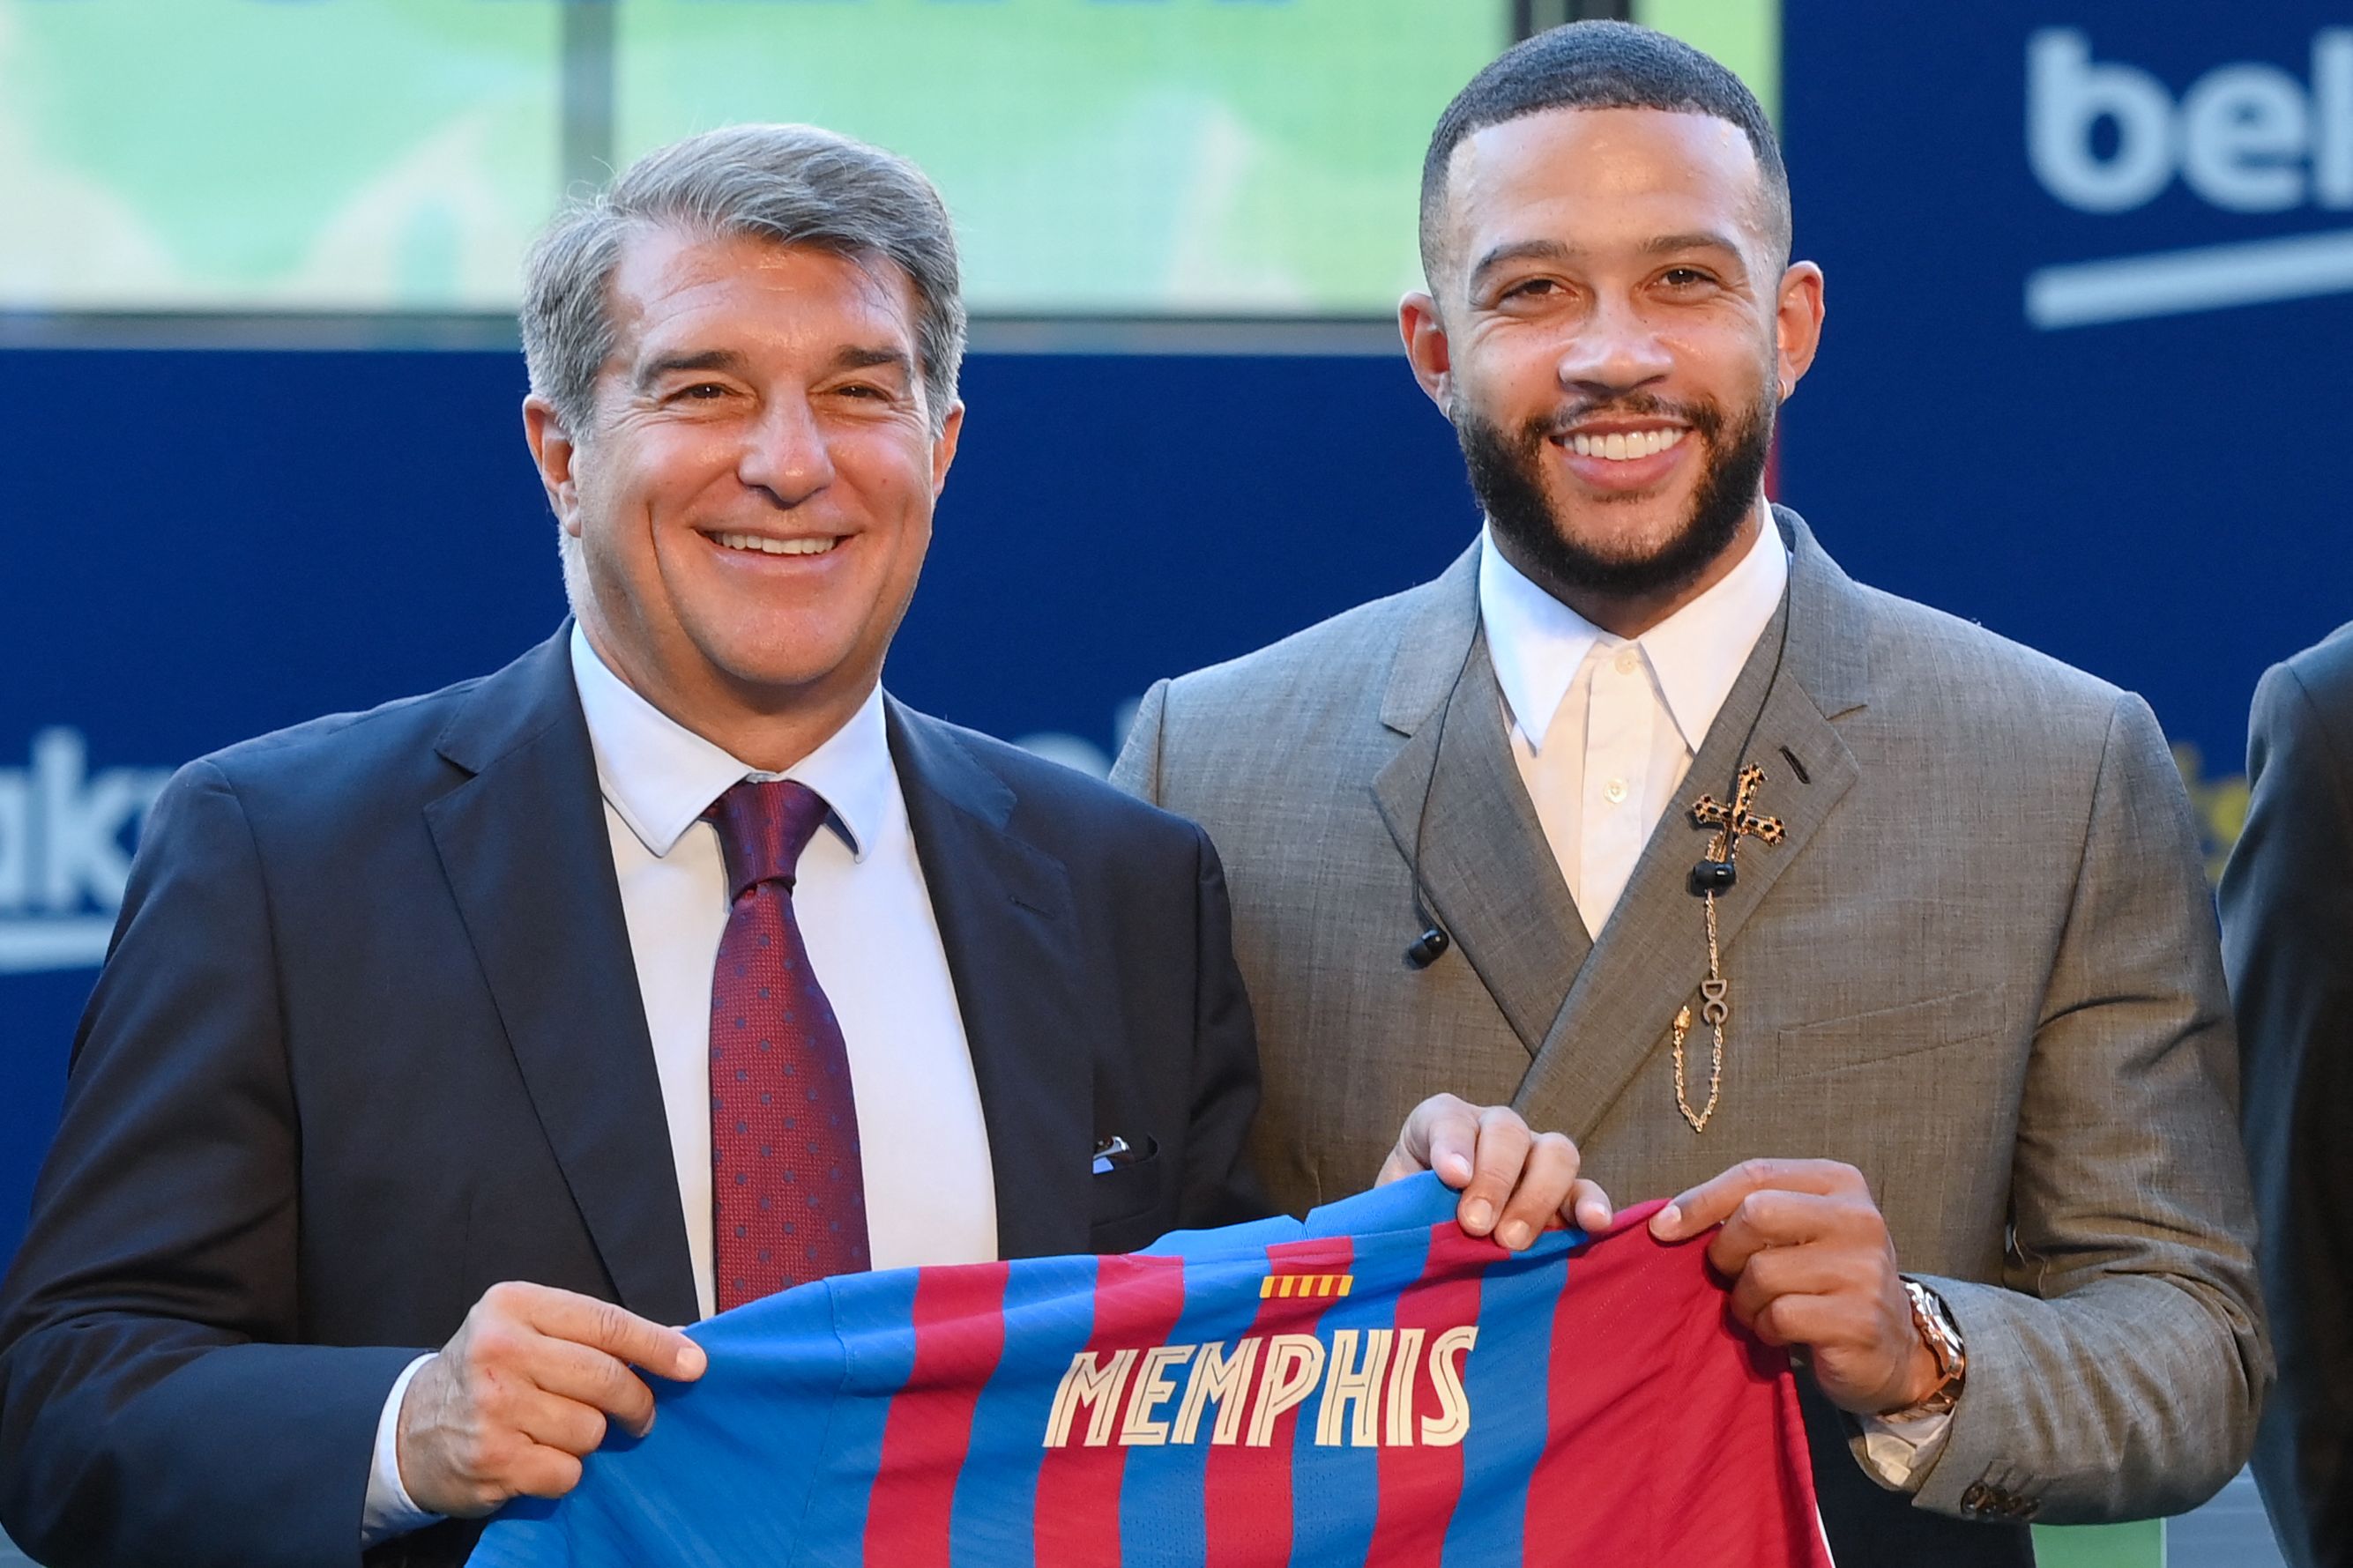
point(1588, 1207)
point(541, 1471)
point(1693, 1211)
point(592, 1378)
point(1799, 1318)
point(1776, 1219)
point(1396, 1168)
point(1439, 1135)
point(601, 1325)
point(1542, 1193)
point(554, 1422)
point(1498, 1155)
point(1785, 1271)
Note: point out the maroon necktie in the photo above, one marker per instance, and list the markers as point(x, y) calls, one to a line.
point(788, 1192)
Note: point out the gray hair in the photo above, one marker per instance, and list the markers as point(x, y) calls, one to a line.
point(792, 185)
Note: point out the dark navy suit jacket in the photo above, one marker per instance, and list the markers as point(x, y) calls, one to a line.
point(369, 1041)
point(2287, 937)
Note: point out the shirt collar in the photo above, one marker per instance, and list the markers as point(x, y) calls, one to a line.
point(1695, 655)
point(1534, 641)
point(660, 776)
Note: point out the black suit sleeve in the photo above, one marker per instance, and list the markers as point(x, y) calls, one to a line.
point(1220, 1187)
point(150, 1407)
point(2287, 910)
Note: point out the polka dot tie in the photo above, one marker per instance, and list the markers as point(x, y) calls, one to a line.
point(788, 1192)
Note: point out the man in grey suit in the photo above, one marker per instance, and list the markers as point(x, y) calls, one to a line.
point(2287, 920)
point(1867, 933)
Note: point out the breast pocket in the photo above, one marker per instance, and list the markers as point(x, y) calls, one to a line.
point(1884, 1034)
point(1129, 1202)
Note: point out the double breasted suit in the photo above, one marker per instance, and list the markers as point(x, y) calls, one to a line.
point(370, 1040)
point(1981, 966)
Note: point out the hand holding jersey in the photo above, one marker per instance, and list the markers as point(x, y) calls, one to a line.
point(1514, 1182)
point(1810, 1263)
point(524, 1390)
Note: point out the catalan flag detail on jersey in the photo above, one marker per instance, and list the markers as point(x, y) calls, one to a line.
point(1368, 1386)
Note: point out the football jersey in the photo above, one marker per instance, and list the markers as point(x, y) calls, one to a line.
point(1371, 1385)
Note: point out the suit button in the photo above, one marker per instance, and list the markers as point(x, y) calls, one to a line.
point(1978, 1498)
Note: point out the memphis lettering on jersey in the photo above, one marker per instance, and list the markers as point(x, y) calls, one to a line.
point(1364, 1385)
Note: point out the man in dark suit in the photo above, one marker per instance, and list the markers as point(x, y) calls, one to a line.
point(673, 965)
point(2288, 942)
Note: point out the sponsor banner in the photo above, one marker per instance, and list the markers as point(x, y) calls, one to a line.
point(2090, 276)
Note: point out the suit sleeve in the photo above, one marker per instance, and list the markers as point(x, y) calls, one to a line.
point(1138, 769)
point(2117, 1370)
point(150, 1405)
point(1219, 1186)
point(2287, 907)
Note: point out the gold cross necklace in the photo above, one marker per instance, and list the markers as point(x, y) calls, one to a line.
point(1715, 874)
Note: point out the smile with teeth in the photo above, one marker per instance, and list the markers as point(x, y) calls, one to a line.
point(777, 546)
point(1624, 446)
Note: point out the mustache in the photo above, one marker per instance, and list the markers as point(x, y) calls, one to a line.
point(1705, 417)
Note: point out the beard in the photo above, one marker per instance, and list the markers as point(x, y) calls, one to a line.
point(1508, 476)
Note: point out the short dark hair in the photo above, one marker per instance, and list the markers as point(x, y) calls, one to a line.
point(1601, 64)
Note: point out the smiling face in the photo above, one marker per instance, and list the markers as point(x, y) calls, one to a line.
point(1613, 331)
point(753, 498)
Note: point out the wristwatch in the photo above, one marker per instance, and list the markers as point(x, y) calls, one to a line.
point(1935, 1326)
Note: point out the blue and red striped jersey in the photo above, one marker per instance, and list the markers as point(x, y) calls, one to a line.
point(1369, 1385)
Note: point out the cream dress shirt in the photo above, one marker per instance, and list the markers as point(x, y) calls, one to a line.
point(1603, 727)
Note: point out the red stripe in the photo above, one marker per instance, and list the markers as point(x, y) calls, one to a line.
point(1137, 1303)
point(1247, 1505)
point(1648, 1373)
point(1624, 1385)
point(1419, 1486)
point(959, 1318)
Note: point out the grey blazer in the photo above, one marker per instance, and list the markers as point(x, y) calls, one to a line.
point(1982, 968)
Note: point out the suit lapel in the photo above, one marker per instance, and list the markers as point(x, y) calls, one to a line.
point(1007, 925)
point(524, 848)
point(1652, 954)
point(1490, 876)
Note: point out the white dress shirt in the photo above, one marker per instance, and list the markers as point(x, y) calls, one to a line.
point(1603, 729)
point(866, 915)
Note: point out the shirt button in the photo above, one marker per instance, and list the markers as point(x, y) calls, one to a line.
point(1615, 791)
point(1627, 661)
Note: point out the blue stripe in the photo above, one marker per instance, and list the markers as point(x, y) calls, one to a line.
point(1160, 1517)
point(1048, 1316)
point(1507, 1376)
point(875, 1316)
point(1335, 1492)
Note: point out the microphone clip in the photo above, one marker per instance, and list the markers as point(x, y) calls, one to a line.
point(1713, 876)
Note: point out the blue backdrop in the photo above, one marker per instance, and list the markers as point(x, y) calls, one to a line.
point(204, 546)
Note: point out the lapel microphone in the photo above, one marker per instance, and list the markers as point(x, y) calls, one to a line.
point(1431, 944)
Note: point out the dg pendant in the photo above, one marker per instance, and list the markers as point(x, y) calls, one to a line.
point(1718, 872)
point(1715, 1011)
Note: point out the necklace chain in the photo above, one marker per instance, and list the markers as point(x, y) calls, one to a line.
point(1716, 1009)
